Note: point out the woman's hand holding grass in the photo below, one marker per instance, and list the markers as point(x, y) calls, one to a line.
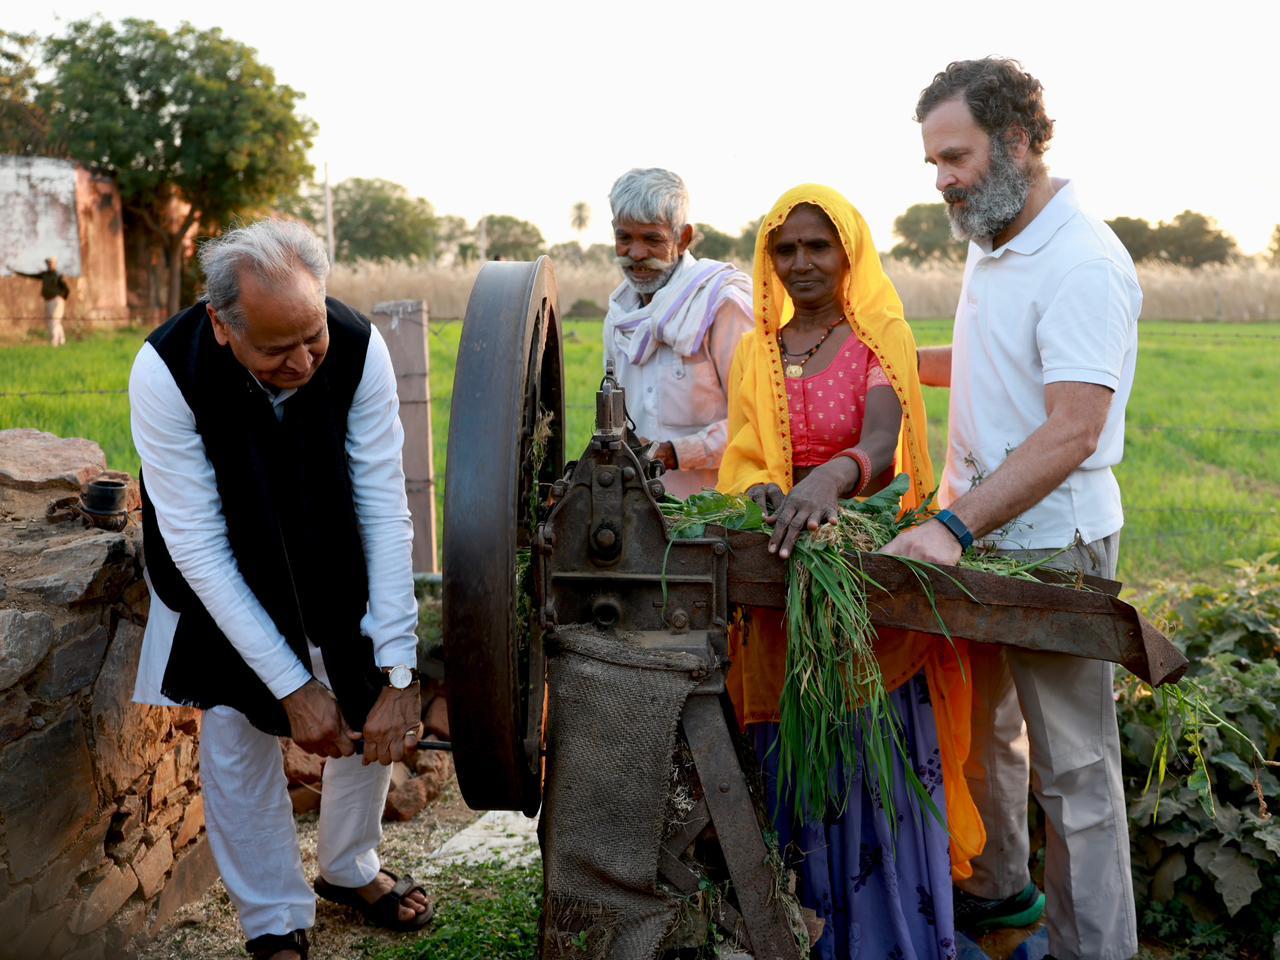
point(812, 502)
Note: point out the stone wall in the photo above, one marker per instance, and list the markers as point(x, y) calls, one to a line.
point(101, 818)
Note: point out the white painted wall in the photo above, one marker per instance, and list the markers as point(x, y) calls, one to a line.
point(38, 216)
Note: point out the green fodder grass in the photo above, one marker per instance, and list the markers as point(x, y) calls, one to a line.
point(1200, 478)
point(1201, 471)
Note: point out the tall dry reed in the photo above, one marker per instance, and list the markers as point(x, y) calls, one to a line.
point(1235, 292)
point(446, 289)
point(1227, 292)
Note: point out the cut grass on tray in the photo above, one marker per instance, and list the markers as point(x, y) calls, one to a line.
point(1200, 478)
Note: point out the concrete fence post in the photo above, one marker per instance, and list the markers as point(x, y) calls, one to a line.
point(403, 325)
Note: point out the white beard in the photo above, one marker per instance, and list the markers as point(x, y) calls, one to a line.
point(647, 288)
point(993, 204)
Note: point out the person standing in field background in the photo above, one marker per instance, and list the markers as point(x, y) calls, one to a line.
point(54, 290)
point(672, 327)
point(1040, 369)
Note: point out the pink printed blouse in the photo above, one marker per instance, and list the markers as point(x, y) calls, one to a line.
point(828, 407)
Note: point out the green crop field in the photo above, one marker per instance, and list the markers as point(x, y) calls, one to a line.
point(1201, 474)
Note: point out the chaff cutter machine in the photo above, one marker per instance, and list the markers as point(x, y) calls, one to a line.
point(552, 563)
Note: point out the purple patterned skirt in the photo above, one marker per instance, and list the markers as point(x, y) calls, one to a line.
point(884, 895)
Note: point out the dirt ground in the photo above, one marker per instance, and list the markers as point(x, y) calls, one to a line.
point(208, 928)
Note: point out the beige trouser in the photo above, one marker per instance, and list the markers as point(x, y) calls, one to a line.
point(1050, 719)
point(53, 310)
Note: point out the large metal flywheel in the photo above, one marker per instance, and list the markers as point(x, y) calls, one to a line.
point(506, 446)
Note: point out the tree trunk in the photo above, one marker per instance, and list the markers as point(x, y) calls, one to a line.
point(173, 253)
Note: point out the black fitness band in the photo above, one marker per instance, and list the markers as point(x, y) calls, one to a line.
point(956, 526)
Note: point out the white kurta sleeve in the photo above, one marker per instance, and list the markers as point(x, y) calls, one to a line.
point(704, 449)
point(375, 439)
point(184, 491)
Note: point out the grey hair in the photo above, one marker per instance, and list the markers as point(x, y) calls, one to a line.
point(272, 249)
point(650, 195)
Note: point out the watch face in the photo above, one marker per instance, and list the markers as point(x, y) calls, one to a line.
point(400, 677)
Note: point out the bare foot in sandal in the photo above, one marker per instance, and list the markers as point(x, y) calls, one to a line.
point(397, 903)
point(413, 904)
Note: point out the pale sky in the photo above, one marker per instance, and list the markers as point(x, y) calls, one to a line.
point(526, 108)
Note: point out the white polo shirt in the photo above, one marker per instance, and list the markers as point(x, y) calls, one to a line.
point(1059, 302)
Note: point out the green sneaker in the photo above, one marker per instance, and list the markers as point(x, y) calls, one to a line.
point(978, 914)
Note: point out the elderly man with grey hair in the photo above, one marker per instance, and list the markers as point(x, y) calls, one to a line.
point(277, 537)
point(672, 328)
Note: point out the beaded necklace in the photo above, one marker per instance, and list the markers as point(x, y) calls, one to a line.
point(794, 365)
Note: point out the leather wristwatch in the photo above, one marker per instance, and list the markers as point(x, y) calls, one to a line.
point(400, 676)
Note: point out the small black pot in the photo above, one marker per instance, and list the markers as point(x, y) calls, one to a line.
point(104, 497)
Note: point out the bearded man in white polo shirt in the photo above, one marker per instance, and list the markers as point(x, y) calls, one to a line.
point(672, 328)
point(1040, 370)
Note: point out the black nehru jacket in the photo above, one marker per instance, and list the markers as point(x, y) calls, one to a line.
point(287, 500)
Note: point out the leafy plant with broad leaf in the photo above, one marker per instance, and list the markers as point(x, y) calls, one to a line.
point(1206, 849)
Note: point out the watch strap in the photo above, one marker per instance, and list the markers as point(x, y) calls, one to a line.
point(956, 526)
point(386, 674)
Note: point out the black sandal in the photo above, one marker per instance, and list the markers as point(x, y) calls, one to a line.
point(385, 911)
point(269, 944)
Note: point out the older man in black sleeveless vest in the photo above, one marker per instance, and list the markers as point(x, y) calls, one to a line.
point(277, 543)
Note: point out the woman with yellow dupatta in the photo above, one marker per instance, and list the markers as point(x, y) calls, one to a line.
point(825, 404)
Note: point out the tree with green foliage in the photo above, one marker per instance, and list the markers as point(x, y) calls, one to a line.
point(1273, 252)
point(1191, 240)
point(574, 253)
point(710, 243)
point(1138, 237)
point(746, 245)
point(581, 219)
point(455, 240)
point(24, 128)
point(600, 253)
point(509, 238)
point(570, 253)
point(378, 220)
point(190, 117)
point(925, 231)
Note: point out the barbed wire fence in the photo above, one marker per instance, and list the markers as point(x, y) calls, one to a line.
point(1186, 522)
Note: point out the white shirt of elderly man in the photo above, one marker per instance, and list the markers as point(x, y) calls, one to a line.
point(672, 327)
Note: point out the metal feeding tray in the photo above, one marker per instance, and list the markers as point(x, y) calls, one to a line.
point(1058, 615)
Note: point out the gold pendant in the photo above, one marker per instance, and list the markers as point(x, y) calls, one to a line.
point(794, 371)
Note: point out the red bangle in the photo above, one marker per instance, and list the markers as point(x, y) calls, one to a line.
point(864, 468)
